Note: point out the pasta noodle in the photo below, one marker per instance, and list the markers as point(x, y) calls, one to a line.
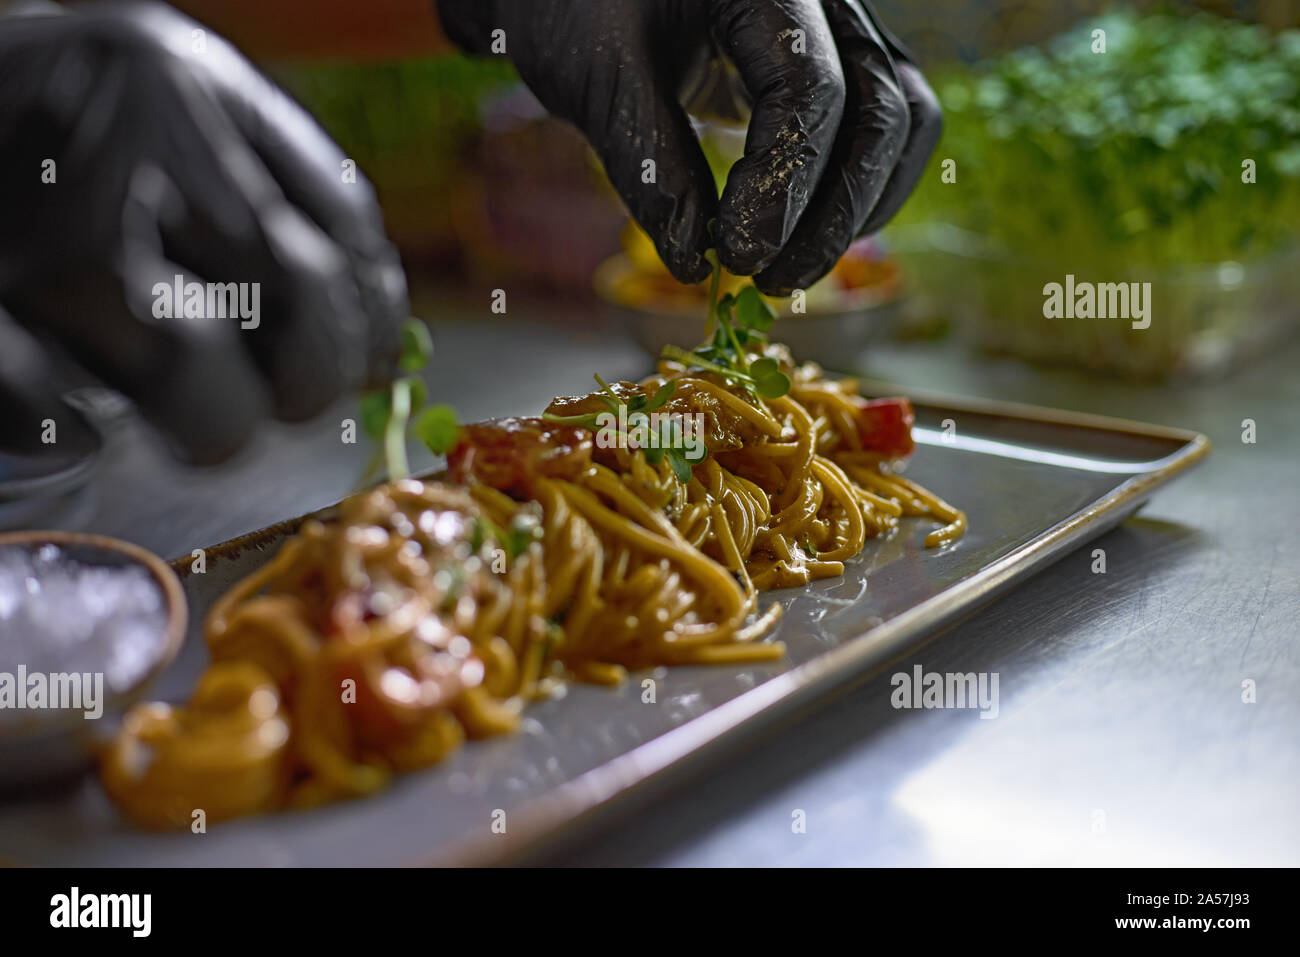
point(432, 611)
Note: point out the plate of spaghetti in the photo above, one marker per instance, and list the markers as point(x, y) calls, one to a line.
point(429, 612)
point(461, 666)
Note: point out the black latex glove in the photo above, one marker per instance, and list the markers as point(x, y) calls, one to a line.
point(173, 155)
point(839, 134)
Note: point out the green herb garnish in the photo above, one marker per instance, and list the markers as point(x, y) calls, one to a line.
point(637, 403)
point(389, 415)
point(417, 346)
point(438, 428)
point(734, 324)
point(523, 531)
point(636, 415)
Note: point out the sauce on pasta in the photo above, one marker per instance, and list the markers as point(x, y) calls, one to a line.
point(433, 611)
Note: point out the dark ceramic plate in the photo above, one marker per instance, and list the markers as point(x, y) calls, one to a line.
point(1035, 484)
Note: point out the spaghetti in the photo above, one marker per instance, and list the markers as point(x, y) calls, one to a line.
point(432, 611)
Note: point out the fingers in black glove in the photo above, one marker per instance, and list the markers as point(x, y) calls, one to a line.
point(173, 161)
point(30, 399)
point(191, 378)
point(619, 87)
point(926, 127)
point(841, 127)
point(876, 131)
point(225, 218)
point(652, 158)
point(787, 58)
point(314, 176)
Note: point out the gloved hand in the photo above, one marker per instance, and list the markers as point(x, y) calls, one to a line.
point(136, 147)
point(841, 129)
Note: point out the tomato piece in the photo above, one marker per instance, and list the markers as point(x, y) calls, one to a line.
point(509, 454)
point(885, 426)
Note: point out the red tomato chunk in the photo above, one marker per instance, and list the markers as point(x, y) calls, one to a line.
point(509, 454)
point(886, 426)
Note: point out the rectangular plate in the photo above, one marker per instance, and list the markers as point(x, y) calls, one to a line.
point(1035, 484)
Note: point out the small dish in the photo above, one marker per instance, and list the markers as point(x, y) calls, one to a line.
point(24, 477)
point(121, 644)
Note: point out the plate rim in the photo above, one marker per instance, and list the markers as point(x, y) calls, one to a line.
point(560, 814)
point(575, 807)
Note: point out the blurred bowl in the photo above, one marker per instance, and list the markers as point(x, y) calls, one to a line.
point(59, 468)
point(835, 330)
point(43, 744)
point(1207, 318)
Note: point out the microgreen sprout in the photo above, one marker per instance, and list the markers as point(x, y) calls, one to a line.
point(389, 415)
point(638, 407)
point(523, 531)
point(438, 428)
point(734, 324)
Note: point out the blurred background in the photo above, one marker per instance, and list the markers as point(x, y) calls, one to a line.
point(1125, 166)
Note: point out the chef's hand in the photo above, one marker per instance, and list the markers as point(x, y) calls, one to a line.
point(842, 124)
point(136, 147)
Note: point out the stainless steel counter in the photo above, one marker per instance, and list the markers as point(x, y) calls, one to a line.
point(1122, 735)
